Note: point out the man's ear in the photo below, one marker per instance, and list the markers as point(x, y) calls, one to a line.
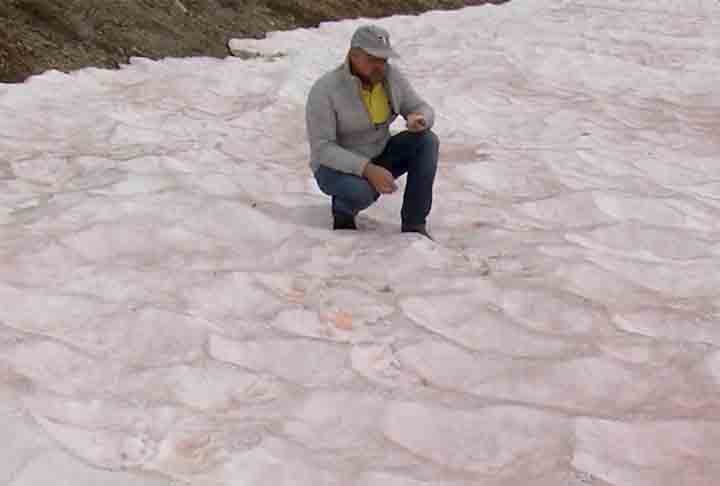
point(354, 52)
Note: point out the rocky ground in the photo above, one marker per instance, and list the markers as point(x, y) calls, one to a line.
point(36, 35)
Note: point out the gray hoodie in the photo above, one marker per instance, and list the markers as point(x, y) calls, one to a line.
point(340, 131)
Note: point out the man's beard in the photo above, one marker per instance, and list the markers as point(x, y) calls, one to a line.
point(373, 78)
point(377, 76)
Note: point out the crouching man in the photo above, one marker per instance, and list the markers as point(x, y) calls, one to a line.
point(353, 157)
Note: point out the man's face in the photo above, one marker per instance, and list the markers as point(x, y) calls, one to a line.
point(368, 68)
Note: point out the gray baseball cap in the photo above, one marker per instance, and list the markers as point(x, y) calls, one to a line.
point(374, 40)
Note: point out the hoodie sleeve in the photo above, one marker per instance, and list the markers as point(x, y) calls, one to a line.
point(321, 121)
point(411, 102)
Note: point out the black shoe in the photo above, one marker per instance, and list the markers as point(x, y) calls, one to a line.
point(417, 228)
point(343, 221)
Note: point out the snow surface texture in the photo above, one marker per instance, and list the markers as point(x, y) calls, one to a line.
point(174, 309)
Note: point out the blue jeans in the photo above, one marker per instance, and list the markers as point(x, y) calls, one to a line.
point(414, 153)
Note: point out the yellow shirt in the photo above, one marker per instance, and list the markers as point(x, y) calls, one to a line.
point(377, 103)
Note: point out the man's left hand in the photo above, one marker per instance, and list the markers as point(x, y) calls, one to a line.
point(416, 122)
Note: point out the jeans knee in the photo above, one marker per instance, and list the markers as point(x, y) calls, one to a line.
point(429, 152)
point(361, 196)
point(367, 198)
point(431, 139)
point(429, 145)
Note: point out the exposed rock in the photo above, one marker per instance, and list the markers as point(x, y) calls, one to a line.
point(37, 35)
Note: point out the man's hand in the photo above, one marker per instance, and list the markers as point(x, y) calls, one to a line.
point(416, 122)
point(380, 178)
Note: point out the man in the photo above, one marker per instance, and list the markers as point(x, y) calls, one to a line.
point(353, 157)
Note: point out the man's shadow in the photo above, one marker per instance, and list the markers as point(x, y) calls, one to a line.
point(317, 216)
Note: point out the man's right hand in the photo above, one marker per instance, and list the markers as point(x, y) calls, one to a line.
point(380, 178)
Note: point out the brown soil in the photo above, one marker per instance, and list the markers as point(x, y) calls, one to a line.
point(37, 35)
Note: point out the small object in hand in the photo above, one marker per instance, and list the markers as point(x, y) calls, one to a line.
point(416, 122)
